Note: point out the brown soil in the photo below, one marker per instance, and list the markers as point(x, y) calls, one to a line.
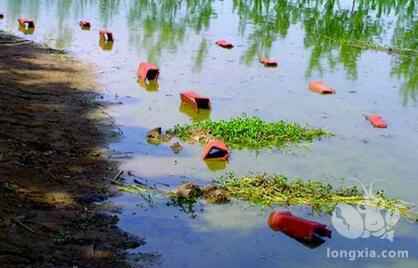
point(52, 168)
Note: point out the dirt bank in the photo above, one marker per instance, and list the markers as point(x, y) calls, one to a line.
point(52, 170)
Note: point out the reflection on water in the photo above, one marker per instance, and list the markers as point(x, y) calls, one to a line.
point(228, 217)
point(311, 39)
point(150, 86)
point(194, 114)
point(216, 165)
point(201, 54)
point(26, 30)
point(327, 25)
point(165, 23)
point(237, 235)
point(406, 68)
point(105, 45)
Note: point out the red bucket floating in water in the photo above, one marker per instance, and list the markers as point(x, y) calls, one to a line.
point(224, 44)
point(26, 26)
point(215, 150)
point(308, 232)
point(26, 23)
point(148, 71)
point(320, 87)
point(85, 25)
point(377, 121)
point(106, 39)
point(106, 35)
point(268, 62)
point(195, 100)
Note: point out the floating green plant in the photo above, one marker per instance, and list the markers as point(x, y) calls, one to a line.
point(268, 190)
point(248, 132)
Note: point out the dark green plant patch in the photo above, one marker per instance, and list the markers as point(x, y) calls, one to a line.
point(248, 132)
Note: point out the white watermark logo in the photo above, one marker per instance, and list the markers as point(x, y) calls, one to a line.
point(364, 221)
point(356, 254)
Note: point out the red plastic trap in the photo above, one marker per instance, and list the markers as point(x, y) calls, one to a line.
point(215, 150)
point(148, 71)
point(195, 100)
point(224, 44)
point(296, 227)
point(320, 87)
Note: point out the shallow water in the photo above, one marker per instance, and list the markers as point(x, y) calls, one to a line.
point(179, 36)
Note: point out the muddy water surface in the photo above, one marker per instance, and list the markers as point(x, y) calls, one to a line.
point(307, 38)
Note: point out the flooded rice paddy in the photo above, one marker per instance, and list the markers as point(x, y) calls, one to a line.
point(311, 40)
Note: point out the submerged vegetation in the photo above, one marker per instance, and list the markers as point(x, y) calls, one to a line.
point(268, 190)
point(248, 132)
point(275, 190)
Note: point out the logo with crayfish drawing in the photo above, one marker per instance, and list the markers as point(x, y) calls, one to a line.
point(364, 221)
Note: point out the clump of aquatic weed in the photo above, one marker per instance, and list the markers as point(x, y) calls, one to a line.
point(248, 132)
point(268, 190)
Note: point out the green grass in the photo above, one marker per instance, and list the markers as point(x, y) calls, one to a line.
point(268, 190)
point(248, 132)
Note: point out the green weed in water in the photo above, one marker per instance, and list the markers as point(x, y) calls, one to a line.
point(248, 132)
point(268, 190)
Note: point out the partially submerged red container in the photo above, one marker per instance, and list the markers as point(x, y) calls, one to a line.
point(26, 23)
point(85, 25)
point(268, 62)
point(106, 35)
point(195, 100)
point(215, 150)
point(148, 71)
point(224, 44)
point(296, 227)
point(320, 87)
point(377, 121)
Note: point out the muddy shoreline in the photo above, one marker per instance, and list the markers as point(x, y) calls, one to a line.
point(53, 168)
